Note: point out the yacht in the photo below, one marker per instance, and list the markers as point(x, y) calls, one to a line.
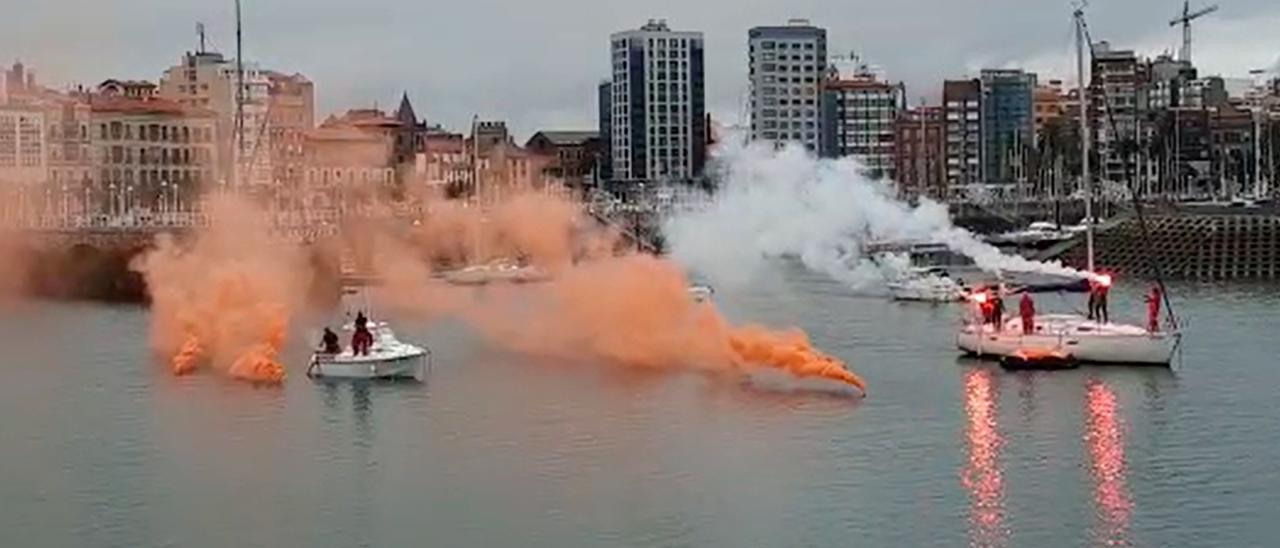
point(1068, 337)
point(927, 284)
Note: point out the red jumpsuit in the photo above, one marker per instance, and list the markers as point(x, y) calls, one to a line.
point(1027, 309)
point(1153, 310)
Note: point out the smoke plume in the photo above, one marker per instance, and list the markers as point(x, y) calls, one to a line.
point(786, 203)
point(223, 299)
point(14, 261)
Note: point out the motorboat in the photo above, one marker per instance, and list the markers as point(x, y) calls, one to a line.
point(1070, 335)
point(1038, 235)
point(388, 358)
point(931, 284)
point(701, 292)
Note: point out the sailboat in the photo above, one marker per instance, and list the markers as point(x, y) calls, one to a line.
point(1069, 338)
point(500, 270)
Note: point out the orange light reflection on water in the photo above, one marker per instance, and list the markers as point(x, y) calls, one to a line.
point(1105, 440)
point(983, 477)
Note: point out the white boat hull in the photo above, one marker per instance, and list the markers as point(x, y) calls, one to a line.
point(339, 367)
point(929, 289)
point(388, 358)
point(1085, 340)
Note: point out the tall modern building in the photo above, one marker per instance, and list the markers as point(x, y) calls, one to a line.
point(787, 67)
point(1115, 86)
point(604, 164)
point(961, 101)
point(857, 120)
point(1008, 123)
point(659, 128)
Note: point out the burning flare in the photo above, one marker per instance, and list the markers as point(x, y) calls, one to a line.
point(223, 297)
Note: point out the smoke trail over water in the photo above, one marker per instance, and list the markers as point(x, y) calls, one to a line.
point(786, 203)
point(224, 299)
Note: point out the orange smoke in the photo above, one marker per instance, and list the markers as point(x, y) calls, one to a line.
point(636, 310)
point(223, 297)
point(791, 352)
point(188, 357)
point(14, 259)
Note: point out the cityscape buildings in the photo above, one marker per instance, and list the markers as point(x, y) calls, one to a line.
point(961, 101)
point(1176, 133)
point(787, 65)
point(858, 115)
point(658, 104)
point(1008, 123)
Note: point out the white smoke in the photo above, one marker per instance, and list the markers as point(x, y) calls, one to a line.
point(786, 203)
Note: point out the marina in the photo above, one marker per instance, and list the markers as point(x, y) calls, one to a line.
point(550, 447)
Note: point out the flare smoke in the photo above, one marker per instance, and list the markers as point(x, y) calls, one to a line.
point(786, 203)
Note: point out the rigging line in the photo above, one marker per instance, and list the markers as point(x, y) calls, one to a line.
point(1137, 202)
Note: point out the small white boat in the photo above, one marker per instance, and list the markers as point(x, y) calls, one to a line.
point(1082, 339)
point(701, 292)
point(388, 358)
point(932, 285)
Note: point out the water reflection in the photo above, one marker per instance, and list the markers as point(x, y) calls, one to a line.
point(983, 477)
point(1105, 439)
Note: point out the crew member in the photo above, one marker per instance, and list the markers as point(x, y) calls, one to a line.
point(362, 339)
point(1103, 316)
point(1153, 309)
point(997, 310)
point(1027, 309)
point(329, 342)
point(1093, 300)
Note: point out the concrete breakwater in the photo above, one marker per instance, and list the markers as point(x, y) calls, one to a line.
point(1242, 245)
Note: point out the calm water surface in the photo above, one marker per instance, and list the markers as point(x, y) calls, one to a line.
point(101, 447)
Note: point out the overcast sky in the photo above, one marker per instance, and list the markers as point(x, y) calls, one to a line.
point(536, 63)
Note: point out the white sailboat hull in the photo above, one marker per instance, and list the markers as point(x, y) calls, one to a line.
point(1080, 338)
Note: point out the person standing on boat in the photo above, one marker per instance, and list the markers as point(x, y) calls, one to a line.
point(1153, 309)
point(1027, 309)
point(1093, 300)
point(1103, 316)
point(997, 309)
point(362, 339)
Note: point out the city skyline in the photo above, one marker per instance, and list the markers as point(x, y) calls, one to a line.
point(553, 85)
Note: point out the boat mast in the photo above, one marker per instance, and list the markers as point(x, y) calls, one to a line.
point(475, 177)
point(1085, 176)
point(239, 91)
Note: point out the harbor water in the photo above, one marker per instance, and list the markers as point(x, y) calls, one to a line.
point(103, 447)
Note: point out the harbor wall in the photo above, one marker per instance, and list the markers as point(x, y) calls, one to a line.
point(1186, 246)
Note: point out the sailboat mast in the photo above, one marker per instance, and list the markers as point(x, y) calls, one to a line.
point(1086, 179)
point(239, 89)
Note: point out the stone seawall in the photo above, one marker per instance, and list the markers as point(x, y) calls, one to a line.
point(1188, 246)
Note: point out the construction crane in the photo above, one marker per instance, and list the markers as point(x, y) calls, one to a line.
point(1185, 20)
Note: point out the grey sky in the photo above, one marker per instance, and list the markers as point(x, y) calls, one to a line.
point(536, 62)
